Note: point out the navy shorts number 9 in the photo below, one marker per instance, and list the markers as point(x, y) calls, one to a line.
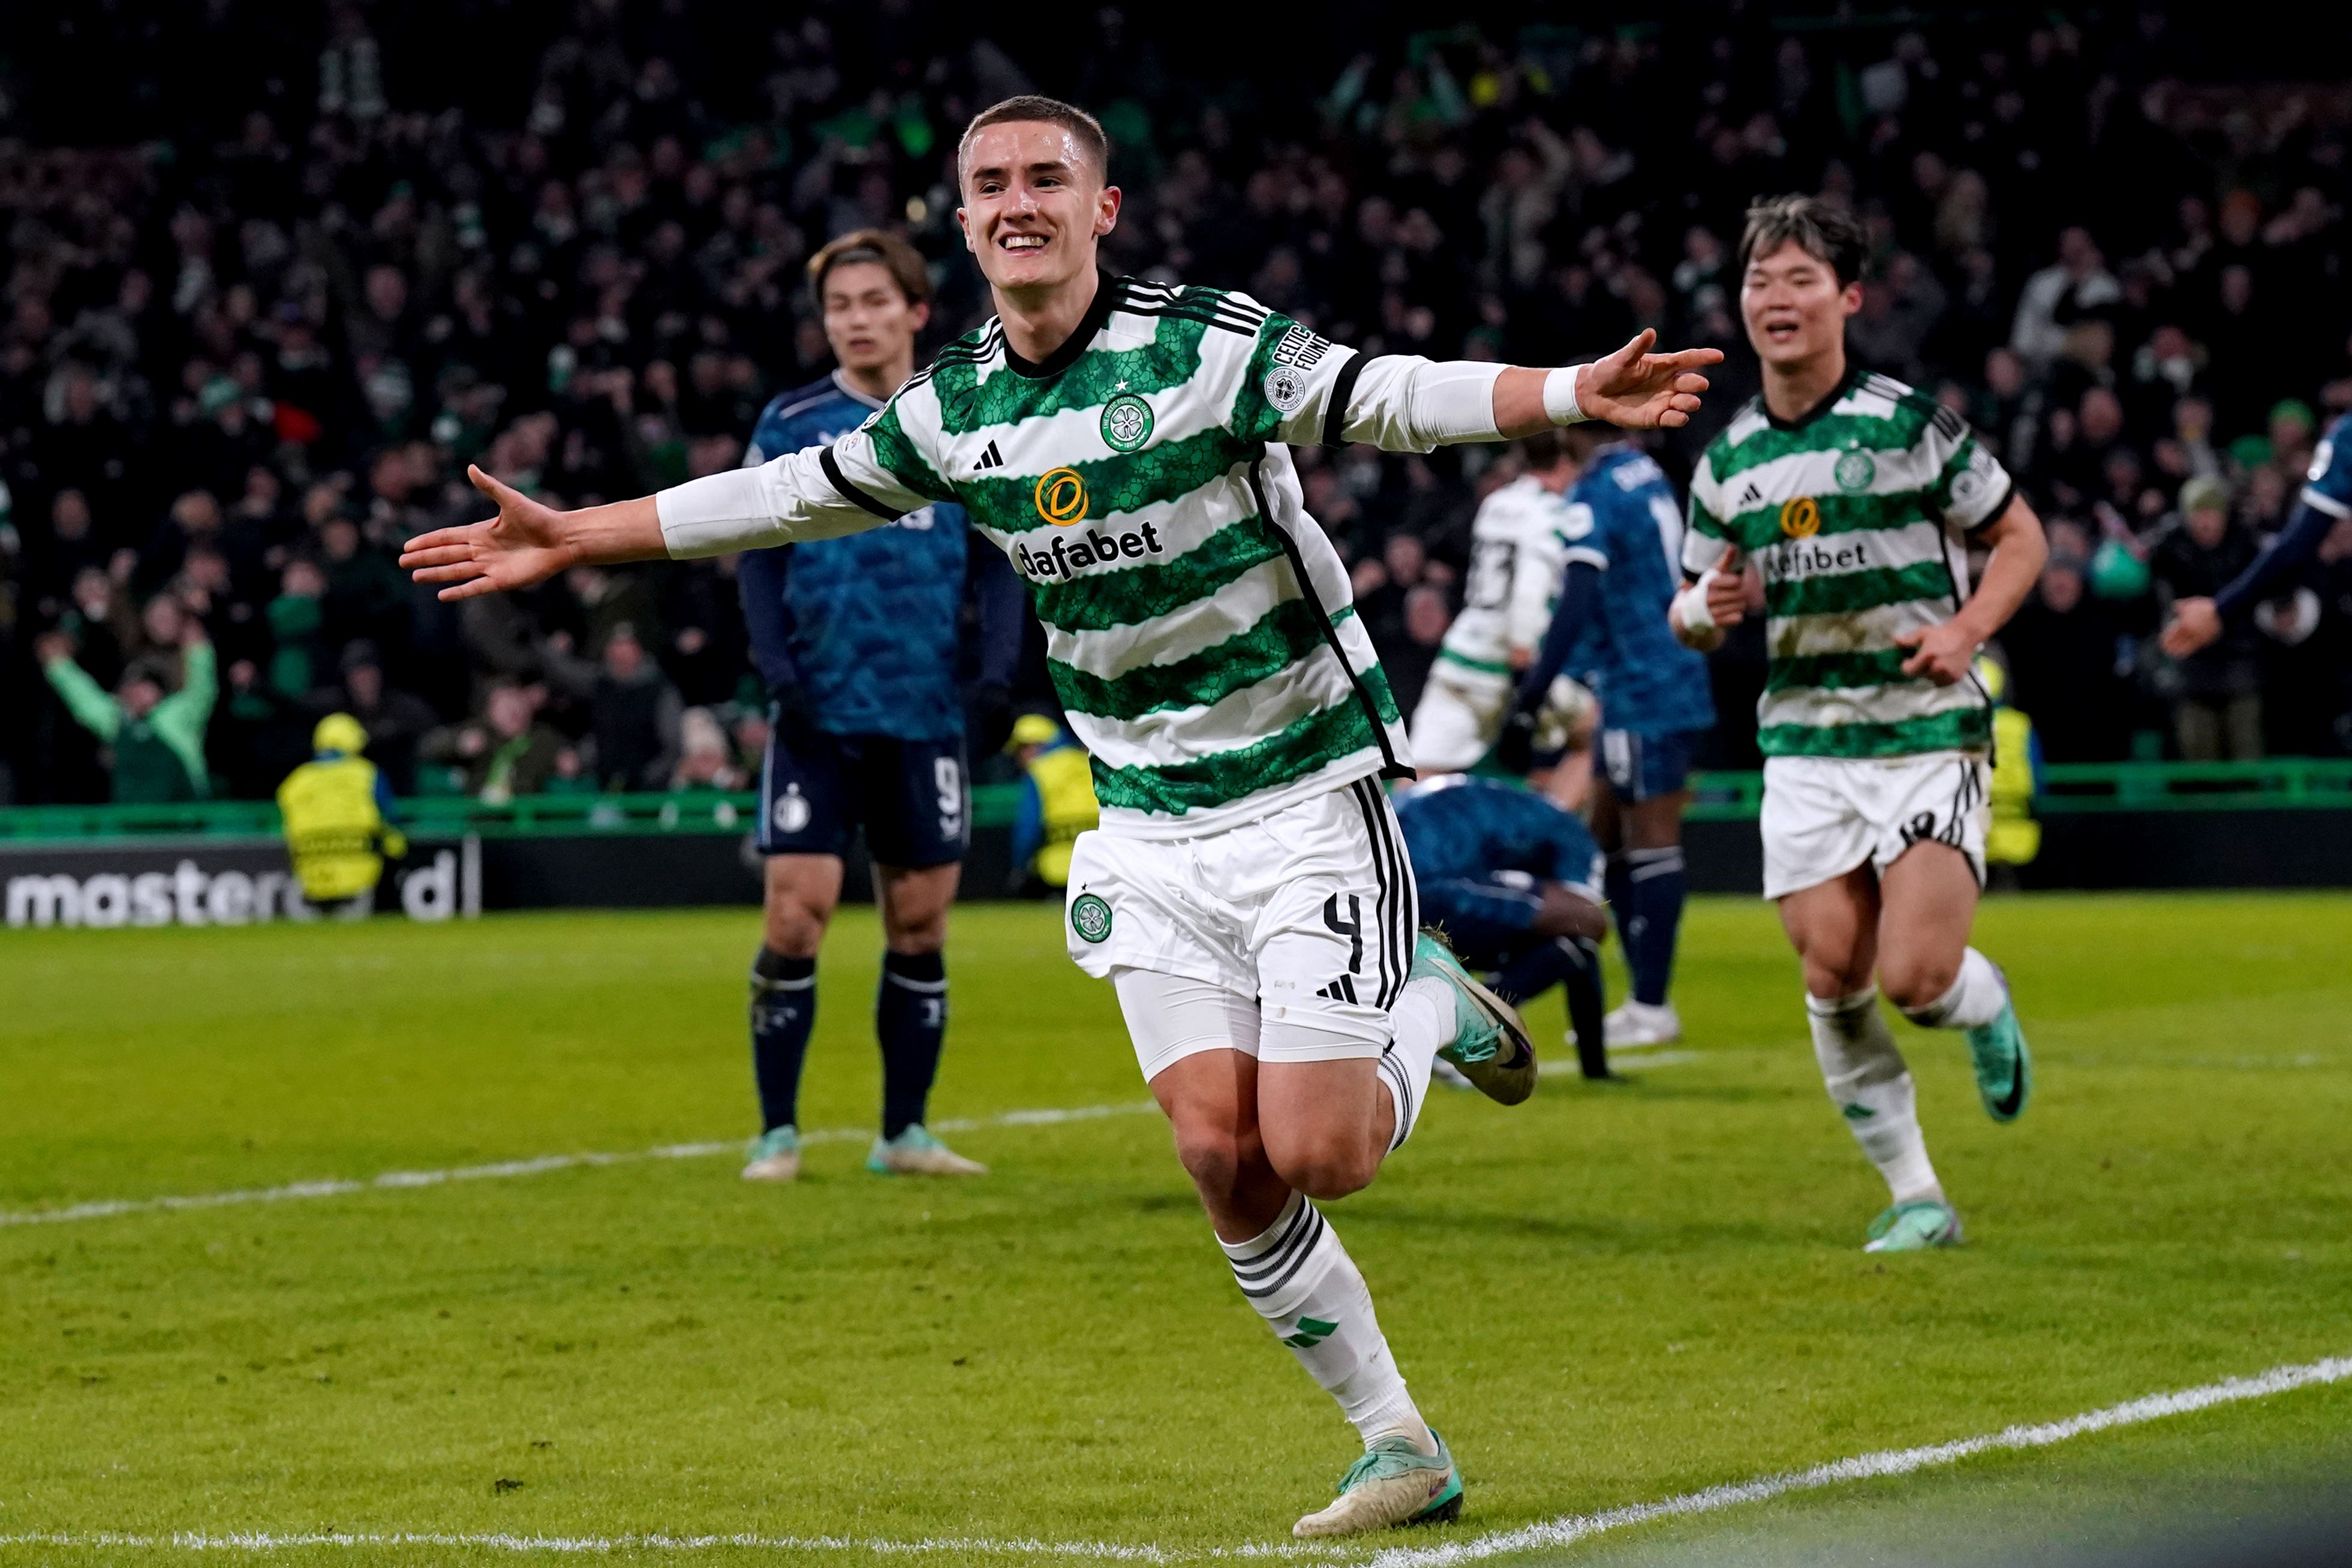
point(816, 789)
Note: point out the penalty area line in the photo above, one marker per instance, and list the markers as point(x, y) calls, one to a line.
point(400, 1181)
point(1561, 1531)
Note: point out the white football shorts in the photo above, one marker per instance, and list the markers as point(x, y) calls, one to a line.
point(1823, 816)
point(1308, 916)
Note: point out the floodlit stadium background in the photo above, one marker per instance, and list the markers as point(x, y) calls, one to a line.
point(429, 1230)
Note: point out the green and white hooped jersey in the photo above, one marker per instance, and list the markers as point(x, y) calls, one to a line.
point(1856, 515)
point(1519, 548)
point(1199, 626)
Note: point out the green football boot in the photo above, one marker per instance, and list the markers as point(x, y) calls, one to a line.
point(1491, 1046)
point(1914, 1227)
point(1394, 1484)
point(914, 1151)
point(775, 1155)
point(2004, 1067)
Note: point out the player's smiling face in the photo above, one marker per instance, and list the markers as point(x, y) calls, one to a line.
point(1794, 307)
point(1034, 205)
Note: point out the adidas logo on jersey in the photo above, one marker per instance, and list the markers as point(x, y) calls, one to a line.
point(1749, 499)
point(1092, 547)
point(991, 458)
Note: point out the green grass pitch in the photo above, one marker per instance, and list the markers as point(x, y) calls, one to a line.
point(1608, 1296)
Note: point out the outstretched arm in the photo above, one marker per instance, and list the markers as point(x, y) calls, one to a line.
point(820, 493)
point(1402, 404)
point(2197, 622)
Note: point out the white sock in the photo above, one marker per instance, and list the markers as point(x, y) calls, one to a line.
point(1976, 998)
point(1302, 1281)
point(1872, 1089)
point(1424, 1020)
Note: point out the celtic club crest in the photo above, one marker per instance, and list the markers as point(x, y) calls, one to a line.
point(1854, 471)
point(1091, 917)
point(1125, 423)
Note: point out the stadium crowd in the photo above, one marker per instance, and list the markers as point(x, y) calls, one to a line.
point(247, 351)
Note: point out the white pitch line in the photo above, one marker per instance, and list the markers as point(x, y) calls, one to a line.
point(1577, 1527)
point(1561, 1531)
point(394, 1181)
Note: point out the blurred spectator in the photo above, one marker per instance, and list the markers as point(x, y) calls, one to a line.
point(396, 721)
point(155, 736)
point(634, 710)
point(243, 372)
point(704, 759)
point(2217, 712)
point(505, 753)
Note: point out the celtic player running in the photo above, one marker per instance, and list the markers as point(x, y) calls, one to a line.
point(1247, 894)
point(1858, 499)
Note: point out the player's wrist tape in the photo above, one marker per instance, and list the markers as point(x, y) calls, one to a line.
point(1559, 396)
point(1692, 605)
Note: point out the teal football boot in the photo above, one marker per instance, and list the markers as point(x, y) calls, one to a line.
point(1394, 1484)
point(1490, 1046)
point(1914, 1227)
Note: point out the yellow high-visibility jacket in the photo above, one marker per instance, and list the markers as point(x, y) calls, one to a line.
point(1065, 807)
point(2015, 837)
point(336, 830)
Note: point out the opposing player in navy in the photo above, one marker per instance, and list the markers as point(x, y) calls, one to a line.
point(1514, 882)
point(1623, 529)
point(2327, 500)
point(858, 641)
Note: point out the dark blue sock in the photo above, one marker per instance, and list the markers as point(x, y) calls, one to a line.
point(1576, 964)
point(910, 1018)
point(783, 1010)
point(1617, 883)
point(1658, 885)
point(1532, 973)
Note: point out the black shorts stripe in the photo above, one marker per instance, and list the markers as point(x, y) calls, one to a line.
point(849, 492)
point(1394, 961)
point(1407, 912)
point(1395, 899)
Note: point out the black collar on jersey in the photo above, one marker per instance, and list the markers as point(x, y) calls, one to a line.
point(1853, 377)
point(1106, 292)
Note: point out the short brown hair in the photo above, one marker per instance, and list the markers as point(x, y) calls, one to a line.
point(1829, 234)
point(903, 262)
point(1030, 106)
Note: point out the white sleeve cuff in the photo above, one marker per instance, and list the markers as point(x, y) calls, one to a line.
point(718, 513)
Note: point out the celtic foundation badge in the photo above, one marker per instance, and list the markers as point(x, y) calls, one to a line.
point(1091, 917)
point(1125, 423)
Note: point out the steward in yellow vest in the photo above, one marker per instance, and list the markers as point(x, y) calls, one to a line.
point(338, 811)
point(1057, 801)
point(2015, 838)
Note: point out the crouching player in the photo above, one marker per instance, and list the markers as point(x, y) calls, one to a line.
point(857, 640)
point(1514, 882)
point(1858, 498)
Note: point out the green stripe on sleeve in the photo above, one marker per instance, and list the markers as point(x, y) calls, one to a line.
point(895, 450)
point(1307, 746)
point(1955, 729)
point(1852, 591)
